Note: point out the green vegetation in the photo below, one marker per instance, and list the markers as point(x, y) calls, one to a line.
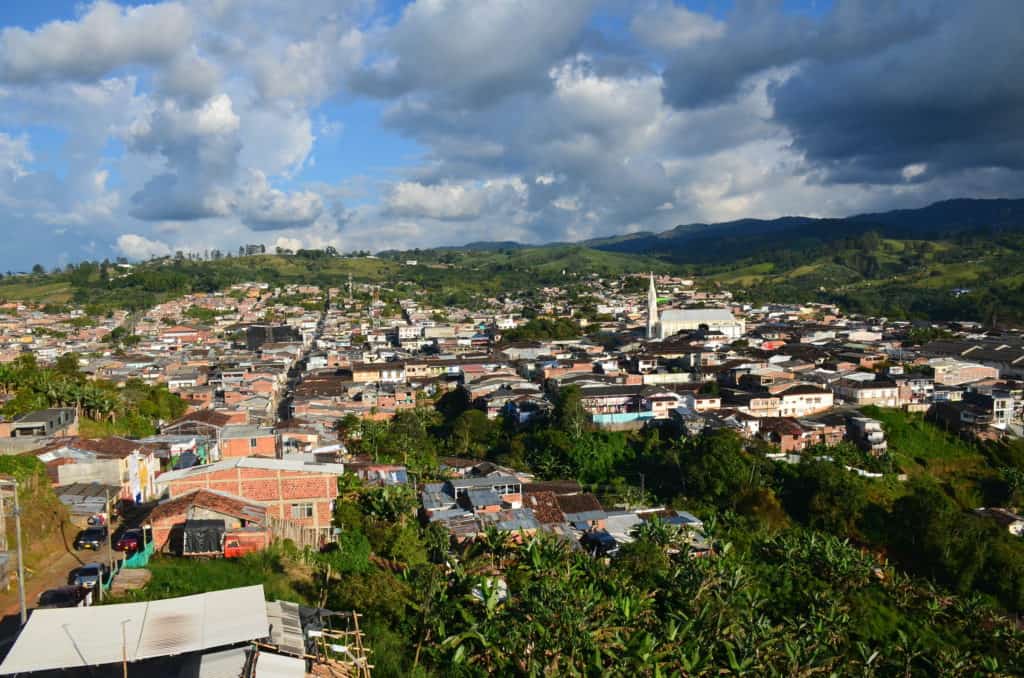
point(45, 522)
point(186, 576)
point(544, 328)
point(798, 585)
point(104, 408)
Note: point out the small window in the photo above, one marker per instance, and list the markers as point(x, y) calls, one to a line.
point(252, 442)
point(300, 511)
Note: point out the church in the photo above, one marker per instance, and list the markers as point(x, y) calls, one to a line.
point(675, 320)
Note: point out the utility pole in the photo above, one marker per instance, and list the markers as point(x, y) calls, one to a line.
point(110, 549)
point(21, 564)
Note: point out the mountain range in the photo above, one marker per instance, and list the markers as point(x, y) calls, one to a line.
point(703, 242)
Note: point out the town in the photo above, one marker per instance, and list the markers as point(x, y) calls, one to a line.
point(257, 412)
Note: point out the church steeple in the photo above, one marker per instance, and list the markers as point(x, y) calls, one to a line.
point(652, 310)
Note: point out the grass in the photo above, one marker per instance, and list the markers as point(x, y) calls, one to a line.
point(919, 447)
point(173, 577)
point(41, 292)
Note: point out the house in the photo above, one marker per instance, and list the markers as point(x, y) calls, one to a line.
point(953, 372)
point(61, 421)
point(882, 393)
point(700, 402)
point(997, 405)
point(802, 400)
point(128, 464)
point(170, 515)
point(583, 511)
point(796, 435)
point(245, 440)
point(467, 506)
point(868, 434)
point(294, 491)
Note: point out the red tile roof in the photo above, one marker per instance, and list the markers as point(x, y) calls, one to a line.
point(218, 502)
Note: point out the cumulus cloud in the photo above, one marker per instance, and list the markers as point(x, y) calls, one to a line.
point(453, 202)
point(200, 146)
point(138, 247)
point(196, 123)
point(106, 37)
point(444, 201)
point(668, 27)
point(473, 52)
point(264, 208)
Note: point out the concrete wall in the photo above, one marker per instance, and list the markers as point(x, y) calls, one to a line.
point(106, 471)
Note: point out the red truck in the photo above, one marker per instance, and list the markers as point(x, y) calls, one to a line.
point(244, 540)
point(211, 539)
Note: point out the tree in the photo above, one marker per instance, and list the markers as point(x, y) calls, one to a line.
point(67, 364)
point(570, 415)
point(472, 433)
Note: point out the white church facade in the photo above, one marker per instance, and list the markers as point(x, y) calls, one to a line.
point(673, 321)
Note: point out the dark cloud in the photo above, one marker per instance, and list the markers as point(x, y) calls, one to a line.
point(952, 99)
point(760, 36)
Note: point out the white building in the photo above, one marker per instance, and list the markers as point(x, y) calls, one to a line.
point(720, 320)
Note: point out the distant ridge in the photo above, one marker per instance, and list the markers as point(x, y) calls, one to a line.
point(698, 242)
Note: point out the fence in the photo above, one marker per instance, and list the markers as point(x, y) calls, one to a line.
point(302, 536)
point(140, 558)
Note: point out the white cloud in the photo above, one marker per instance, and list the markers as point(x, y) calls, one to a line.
point(138, 247)
point(106, 37)
point(666, 26)
point(914, 170)
point(453, 202)
point(444, 201)
point(264, 208)
point(288, 243)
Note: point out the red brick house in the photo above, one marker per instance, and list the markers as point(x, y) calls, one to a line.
point(202, 504)
point(300, 493)
point(237, 440)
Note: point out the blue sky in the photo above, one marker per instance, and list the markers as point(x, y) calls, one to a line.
point(137, 129)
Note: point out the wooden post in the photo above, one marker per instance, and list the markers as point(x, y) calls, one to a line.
point(124, 649)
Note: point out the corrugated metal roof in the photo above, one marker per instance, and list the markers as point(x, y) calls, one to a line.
point(278, 666)
point(286, 627)
point(223, 664)
point(89, 636)
point(251, 462)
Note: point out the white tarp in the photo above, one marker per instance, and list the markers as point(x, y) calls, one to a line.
point(88, 636)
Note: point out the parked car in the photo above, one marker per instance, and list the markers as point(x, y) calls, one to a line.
point(89, 575)
point(64, 596)
point(130, 541)
point(91, 538)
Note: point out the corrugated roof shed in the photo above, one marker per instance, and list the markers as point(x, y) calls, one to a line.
point(73, 637)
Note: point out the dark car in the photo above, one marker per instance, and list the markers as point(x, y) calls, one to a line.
point(130, 541)
point(88, 576)
point(64, 596)
point(91, 538)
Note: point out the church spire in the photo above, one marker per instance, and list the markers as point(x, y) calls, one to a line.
point(652, 310)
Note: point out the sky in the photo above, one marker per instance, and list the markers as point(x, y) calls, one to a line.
point(136, 130)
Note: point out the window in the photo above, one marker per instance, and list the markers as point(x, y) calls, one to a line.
point(300, 511)
point(252, 442)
